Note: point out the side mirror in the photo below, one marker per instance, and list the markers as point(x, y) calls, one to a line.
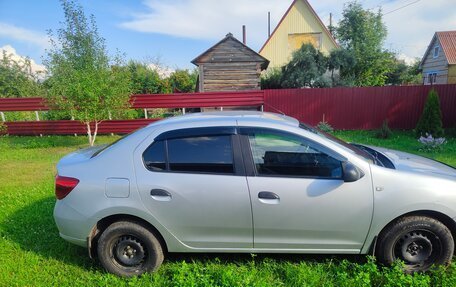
point(350, 172)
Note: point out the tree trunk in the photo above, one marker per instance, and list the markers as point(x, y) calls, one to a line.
point(89, 133)
point(95, 132)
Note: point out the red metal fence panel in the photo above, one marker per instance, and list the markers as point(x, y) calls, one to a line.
point(22, 104)
point(344, 108)
point(198, 100)
point(184, 100)
point(67, 127)
point(361, 108)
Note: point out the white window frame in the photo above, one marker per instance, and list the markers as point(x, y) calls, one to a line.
point(432, 77)
point(436, 49)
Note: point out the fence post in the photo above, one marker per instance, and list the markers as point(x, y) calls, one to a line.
point(3, 116)
point(221, 109)
point(110, 118)
point(145, 113)
point(38, 119)
point(72, 118)
point(183, 111)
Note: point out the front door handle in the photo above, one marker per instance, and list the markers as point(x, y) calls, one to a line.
point(160, 194)
point(268, 197)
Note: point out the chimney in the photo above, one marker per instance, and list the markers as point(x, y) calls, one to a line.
point(269, 24)
point(244, 41)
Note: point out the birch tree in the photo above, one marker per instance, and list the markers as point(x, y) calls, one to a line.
point(83, 79)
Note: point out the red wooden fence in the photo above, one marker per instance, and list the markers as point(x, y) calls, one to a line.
point(344, 108)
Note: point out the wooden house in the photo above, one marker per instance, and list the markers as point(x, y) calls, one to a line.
point(439, 60)
point(299, 25)
point(229, 65)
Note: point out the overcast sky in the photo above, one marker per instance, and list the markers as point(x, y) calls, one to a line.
point(178, 31)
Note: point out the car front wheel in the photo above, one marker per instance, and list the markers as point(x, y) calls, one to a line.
point(419, 241)
point(129, 249)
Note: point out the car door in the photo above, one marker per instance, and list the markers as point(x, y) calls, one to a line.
point(299, 200)
point(193, 182)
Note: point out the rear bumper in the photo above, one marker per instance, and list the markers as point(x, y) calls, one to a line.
point(72, 225)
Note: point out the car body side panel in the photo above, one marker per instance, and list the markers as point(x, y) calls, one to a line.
point(400, 192)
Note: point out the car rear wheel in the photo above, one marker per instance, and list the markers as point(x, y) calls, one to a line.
point(129, 249)
point(419, 241)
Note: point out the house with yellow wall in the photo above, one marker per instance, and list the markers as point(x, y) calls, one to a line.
point(299, 25)
point(439, 61)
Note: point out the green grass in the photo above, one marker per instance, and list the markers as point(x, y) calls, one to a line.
point(32, 254)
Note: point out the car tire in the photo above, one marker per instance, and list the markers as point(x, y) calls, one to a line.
point(129, 249)
point(419, 241)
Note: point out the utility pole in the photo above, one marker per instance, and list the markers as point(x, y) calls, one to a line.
point(331, 27)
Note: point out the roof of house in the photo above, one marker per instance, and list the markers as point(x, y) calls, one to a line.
point(325, 30)
point(255, 57)
point(448, 43)
point(447, 40)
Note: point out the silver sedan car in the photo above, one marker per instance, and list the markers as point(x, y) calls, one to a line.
point(252, 182)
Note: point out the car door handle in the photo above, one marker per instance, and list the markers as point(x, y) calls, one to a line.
point(268, 197)
point(160, 194)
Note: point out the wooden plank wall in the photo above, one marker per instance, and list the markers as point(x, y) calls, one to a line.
point(230, 66)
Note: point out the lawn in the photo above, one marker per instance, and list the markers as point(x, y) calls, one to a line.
point(32, 254)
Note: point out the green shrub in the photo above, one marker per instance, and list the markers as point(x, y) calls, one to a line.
point(431, 119)
point(384, 132)
point(324, 126)
point(271, 79)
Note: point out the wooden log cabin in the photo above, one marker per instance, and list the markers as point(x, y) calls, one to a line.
point(229, 65)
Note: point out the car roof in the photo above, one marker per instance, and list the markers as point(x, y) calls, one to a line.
point(239, 116)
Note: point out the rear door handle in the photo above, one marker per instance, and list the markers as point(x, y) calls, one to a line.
point(160, 194)
point(268, 197)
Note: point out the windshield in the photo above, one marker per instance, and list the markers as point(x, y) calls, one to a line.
point(351, 148)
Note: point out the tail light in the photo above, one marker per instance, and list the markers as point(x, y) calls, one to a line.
point(64, 185)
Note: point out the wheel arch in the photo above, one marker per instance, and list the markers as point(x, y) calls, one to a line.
point(445, 219)
point(103, 223)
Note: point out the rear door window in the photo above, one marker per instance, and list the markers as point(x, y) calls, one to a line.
point(207, 154)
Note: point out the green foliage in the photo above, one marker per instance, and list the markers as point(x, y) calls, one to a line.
point(85, 81)
point(324, 126)
point(271, 79)
point(145, 79)
point(183, 81)
point(403, 74)
point(17, 78)
point(305, 69)
point(384, 132)
point(362, 33)
point(341, 59)
point(42, 258)
point(3, 128)
point(430, 122)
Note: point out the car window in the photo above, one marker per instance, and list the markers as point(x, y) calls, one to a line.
point(211, 154)
point(279, 154)
point(155, 157)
